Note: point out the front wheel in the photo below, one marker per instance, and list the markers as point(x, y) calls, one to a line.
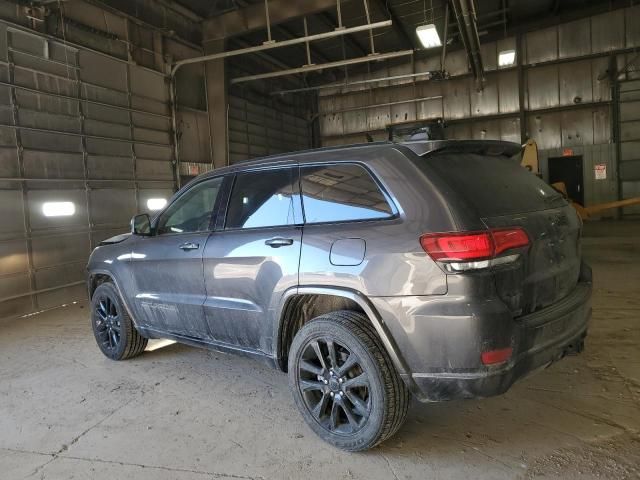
point(344, 382)
point(113, 328)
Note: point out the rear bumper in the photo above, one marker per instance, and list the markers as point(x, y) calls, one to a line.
point(443, 350)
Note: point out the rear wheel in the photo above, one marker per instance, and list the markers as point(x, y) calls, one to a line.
point(344, 383)
point(113, 328)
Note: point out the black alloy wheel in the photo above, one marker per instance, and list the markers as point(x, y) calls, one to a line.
point(107, 323)
point(334, 386)
point(114, 331)
point(344, 382)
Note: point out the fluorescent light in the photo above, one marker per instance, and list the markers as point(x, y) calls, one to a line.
point(428, 36)
point(506, 58)
point(154, 204)
point(58, 209)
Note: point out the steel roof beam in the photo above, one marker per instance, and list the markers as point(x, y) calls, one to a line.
point(279, 44)
point(354, 45)
point(253, 17)
point(407, 38)
point(323, 66)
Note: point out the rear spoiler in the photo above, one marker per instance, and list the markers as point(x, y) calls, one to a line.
point(494, 148)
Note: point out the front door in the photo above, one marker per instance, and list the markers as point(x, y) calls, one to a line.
point(167, 267)
point(251, 261)
point(569, 171)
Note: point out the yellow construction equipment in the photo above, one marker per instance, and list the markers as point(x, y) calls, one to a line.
point(530, 162)
point(530, 157)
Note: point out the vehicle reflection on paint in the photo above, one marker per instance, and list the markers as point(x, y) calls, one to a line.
point(158, 344)
point(130, 256)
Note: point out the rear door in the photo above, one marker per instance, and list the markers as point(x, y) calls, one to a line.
point(504, 194)
point(253, 257)
point(167, 267)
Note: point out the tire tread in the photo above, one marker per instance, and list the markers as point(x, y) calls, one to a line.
point(135, 343)
point(396, 393)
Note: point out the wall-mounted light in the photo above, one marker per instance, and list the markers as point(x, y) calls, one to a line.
point(154, 204)
point(58, 209)
point(428, 36)
point(506, 58)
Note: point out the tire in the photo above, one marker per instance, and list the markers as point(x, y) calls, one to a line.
point(364, 401)
point(113, 328)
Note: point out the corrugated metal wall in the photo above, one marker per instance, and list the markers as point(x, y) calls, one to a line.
point(566, 100)
point(595, 190)
point(76, 126)
point(260, 126)
point(554, 77)
point(629, 143)
point(192, 119)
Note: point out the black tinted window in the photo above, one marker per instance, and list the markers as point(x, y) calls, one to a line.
point(339, 193)
point(263, 199)
point(192, 211)
point(493, 185)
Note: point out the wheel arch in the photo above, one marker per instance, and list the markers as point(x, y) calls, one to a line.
point(98, 277)
point(296, 299)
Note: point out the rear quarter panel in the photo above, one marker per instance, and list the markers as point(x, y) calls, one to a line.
point(394, 263)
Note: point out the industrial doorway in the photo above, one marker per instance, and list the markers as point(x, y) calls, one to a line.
point(569, 171)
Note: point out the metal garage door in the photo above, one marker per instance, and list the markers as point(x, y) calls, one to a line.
point(75, 126)
point(629, 141)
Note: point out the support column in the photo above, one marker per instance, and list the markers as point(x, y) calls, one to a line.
point(217, 103)
point(522, 112)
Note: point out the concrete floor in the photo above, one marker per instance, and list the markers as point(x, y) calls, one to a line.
point(183, 413)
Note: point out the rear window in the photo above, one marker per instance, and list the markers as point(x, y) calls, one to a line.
point(494, 185)
point(341, 193)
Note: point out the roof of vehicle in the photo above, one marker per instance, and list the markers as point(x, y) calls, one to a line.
point(421, 147)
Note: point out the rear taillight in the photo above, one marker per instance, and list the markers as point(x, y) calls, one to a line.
point(509, 238)
point(458, 252)
point(496, 357)
point(458, 246)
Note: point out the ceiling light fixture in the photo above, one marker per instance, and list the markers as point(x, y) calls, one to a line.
point(506, 58)
point(428, 36)
point(427, 32)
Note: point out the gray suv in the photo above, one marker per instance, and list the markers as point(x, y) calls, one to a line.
point(369, 273)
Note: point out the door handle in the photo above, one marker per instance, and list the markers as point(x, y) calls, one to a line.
point(189, 246)
point(279, 242)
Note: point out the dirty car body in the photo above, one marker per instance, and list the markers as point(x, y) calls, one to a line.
point(468, 267)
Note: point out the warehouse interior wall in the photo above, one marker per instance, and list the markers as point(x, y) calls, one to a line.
point(86, 136)
point(563, 72)
point(87, 120)
point(85, 143)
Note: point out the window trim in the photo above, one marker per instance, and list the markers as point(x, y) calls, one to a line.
point(212, 218)
point(394, 208)
point(224, 211)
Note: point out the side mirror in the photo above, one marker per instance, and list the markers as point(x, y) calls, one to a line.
point(141, 225)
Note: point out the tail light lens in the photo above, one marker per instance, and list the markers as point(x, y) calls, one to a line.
point(458, 246)
point(509, 238)
point(474, 250)
point(495, 357)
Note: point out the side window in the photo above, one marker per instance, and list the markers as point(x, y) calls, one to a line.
point(192, 211)
point(263, 199)
point(340, 193)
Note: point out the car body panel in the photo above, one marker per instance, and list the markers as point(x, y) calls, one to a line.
point(244, 280)
point(433, 324)
point(168, 283)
